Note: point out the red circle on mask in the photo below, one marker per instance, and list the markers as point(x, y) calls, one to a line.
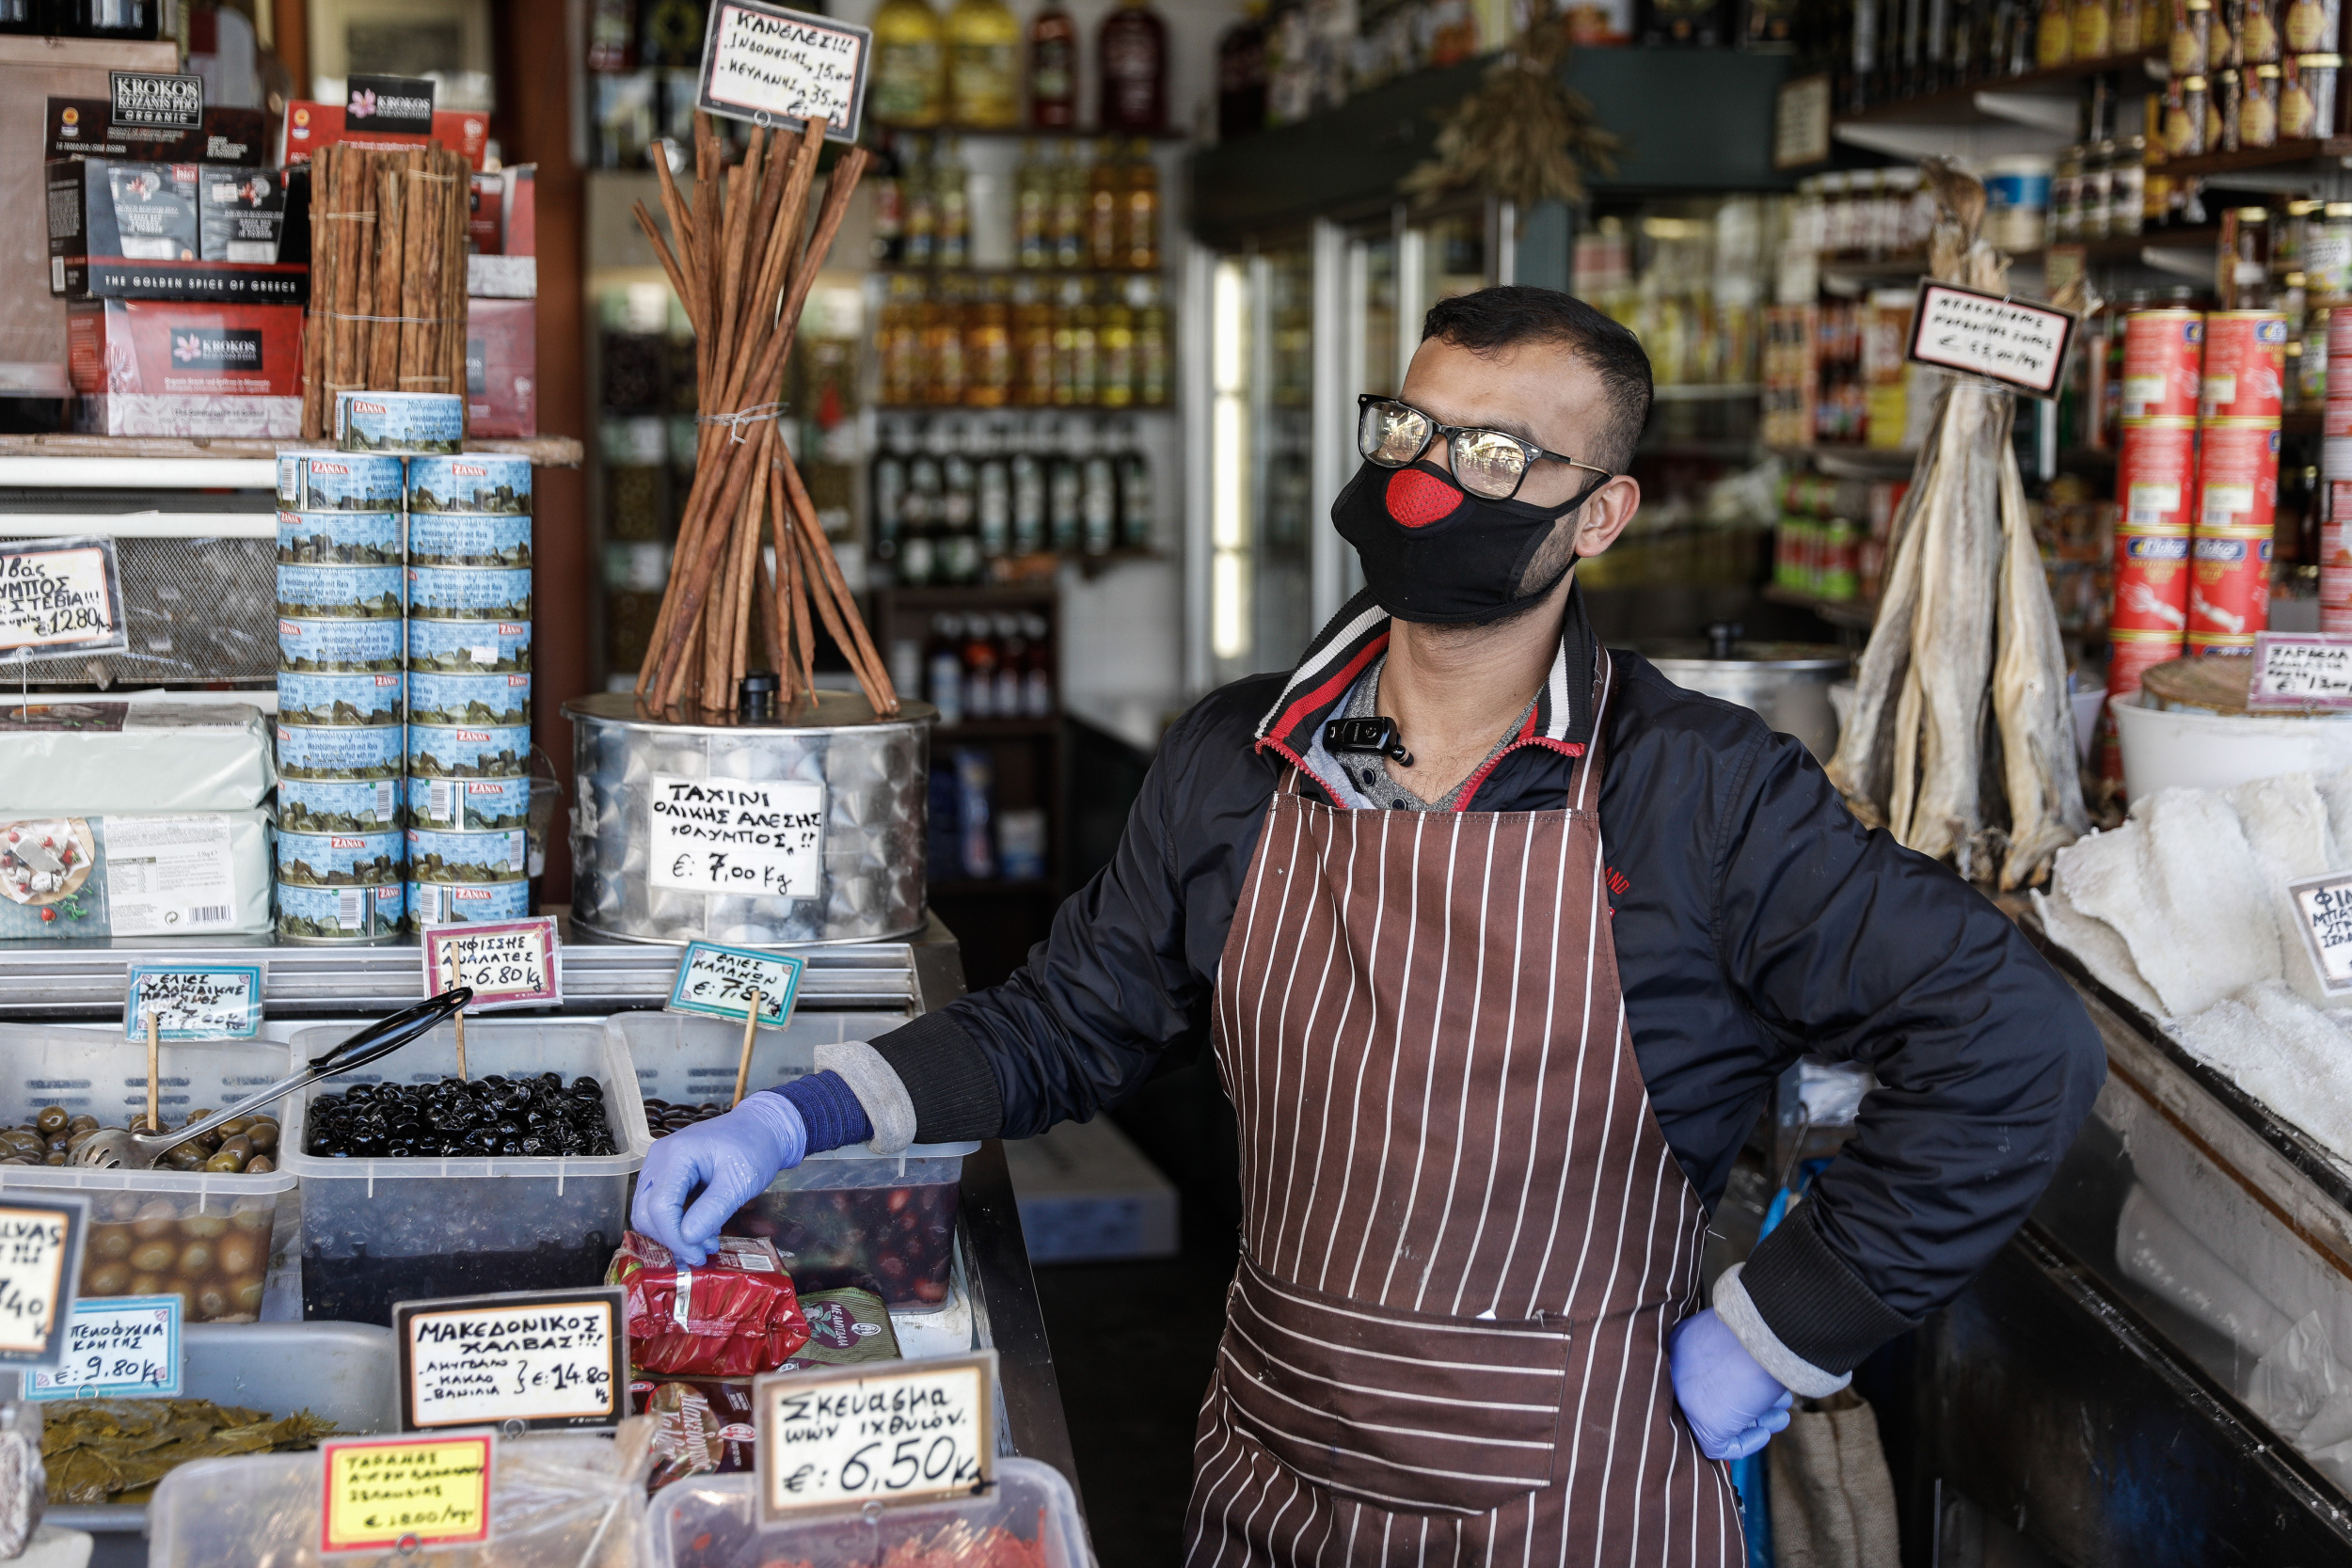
point(1418, 498)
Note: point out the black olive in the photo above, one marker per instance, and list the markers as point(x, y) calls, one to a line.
point(533, 1146)
point(587, 1088)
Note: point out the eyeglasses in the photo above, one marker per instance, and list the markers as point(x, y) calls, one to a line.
point(1488, 463)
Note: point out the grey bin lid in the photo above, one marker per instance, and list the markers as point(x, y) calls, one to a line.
point(1689, 655)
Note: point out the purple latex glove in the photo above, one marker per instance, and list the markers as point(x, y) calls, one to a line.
point(1733, 1404)
point(731, 1158)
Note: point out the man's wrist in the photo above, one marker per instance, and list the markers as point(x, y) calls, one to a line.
point(1738, 1314)
point(1806, 1298)
point(829, 1110)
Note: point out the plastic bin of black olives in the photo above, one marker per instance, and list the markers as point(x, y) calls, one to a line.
point(513, 1177)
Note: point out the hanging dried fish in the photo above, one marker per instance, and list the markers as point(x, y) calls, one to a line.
point(1522, 135)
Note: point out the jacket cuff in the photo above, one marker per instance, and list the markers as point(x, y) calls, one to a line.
point(829, 1110)
point(1733, 1305)
point(947, 1079)
point(879, 1094)
point(1811, 1302)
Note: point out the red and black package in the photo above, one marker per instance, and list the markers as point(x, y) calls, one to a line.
point(735, 1316)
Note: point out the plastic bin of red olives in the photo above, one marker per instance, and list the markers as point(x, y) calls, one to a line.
point(205, 1223)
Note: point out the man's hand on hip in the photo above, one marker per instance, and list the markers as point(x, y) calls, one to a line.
point(1733, 1404)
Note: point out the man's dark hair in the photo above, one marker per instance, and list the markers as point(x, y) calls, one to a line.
point(1494, 320)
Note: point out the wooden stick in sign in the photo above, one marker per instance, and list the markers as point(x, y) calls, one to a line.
point(461, 1013)
point(743, 1068)
point(154, 1066)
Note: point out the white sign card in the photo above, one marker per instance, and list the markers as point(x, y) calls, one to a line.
point(842, 1436)
point(509, 963)
point(752, 838)
point(60, 595)
point(555, 1359)
point(2301, 670)
point(2008, 340)
point(125, 1347)
point(1800, 122)
point(718, 982)
point(2325, 904)
point(41, 1268)
point(194, 1001)
point(775, 66)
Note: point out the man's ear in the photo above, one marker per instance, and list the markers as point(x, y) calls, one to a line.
point(1605, 514)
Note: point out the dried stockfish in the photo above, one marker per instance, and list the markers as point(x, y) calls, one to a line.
point(2029, 700)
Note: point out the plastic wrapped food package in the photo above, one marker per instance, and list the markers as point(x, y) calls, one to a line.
point(735, 1315)
point(1028, 1519)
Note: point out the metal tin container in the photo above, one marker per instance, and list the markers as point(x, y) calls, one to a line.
point(469, 647)
point(340, 859)
point(463, 752)
point(423, 424)
point(466, 903)
point(339, 538)
point(357, 647)
point(467, 539)
point(338, 806)
point(472, 481)
point(326, 916)
point(362, 751)
point(305, 698)
point(1787, 683)
point(467, 594)
point(807, 829)
point(339, 482)
point(340, 592)
point(470, 805)
point(473, 701)
point(438, 855)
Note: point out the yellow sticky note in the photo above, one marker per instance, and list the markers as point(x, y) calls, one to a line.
point(382, 1492)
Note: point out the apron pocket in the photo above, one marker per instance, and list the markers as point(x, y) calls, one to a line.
point(1409, 1412)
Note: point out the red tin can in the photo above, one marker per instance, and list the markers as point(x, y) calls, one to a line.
point(2237, 476)
point(2335, 560)
point(2229, 589)
point(2156, 475)
point(2151, 581)
point(2246, 361)
point(2163, 360)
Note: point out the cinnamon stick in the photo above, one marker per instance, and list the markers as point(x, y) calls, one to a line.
point(858, 647)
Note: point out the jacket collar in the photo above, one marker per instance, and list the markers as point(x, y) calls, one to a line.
point(1563, 719)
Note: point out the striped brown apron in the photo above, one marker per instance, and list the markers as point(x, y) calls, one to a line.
point(1464, 1236)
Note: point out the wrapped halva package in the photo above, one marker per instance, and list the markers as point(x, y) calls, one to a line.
point(85, 756)
point(164, 874)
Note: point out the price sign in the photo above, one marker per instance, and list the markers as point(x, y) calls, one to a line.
point(2018, 345)
point(116, 1346)
point(771, 65)
point(386, 1492)
point(41, 1266)
point(509, 963)
point(540, 1359)
point(59, 596)
point(922, 1431)
point(195, 1002)
point(2325, 904)
point(718, 982)
point(755, 838)
point(2294, 670)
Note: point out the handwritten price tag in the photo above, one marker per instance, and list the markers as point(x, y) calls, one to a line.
point(195, 1002)
point(2301, 671)
point(383, 1492)
point(757, 838)
point(771, 65)
point(118, 1346)
point(509, 963)
point(40, 1265)
point(59, 594)
point(718, 982)
point(542, 1358)
point(841, 1436)
point(2326, 905)
point(2005, 341)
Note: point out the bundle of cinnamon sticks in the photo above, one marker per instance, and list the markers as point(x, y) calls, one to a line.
point(388, 275)
point(742, 256)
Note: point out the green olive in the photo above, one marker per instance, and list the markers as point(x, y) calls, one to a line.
point(212, 1303)
point(205, 1227)
point(51, 1121)
point(107, 1279)
point(240, 1145)
point(154, 1256)
point(83, 1123)
point(226, 1162)
point(195, 1259)
point(110, 1243)
point(263, 1135)
point(233, 1126)
point(261, 1164)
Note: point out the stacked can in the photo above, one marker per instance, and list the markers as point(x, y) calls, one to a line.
point(340, 587)
point(2335, 551)
point(2155, 494)
point(468, 787)
point(2237, 480)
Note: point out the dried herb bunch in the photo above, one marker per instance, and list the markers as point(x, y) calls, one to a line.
point(1522, 135)
point(388, 275)
point(742, 256)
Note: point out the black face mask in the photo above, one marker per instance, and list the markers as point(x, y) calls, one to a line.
point(1433, 552)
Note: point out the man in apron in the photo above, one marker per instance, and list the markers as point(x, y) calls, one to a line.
point(1501, 940)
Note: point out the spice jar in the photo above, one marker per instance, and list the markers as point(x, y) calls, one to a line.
point(2221, 124)
point(2328, 253)
point(2098, 189)
point(2309, 25)
point(2127, 193)
point(2258, 108)
point(2093, 29)
point(2192, 30)
point(2258, 33)
point(2066, 196)
point(2318, 75)
point(2220, 43)
point(2185, 111)
point(2124, 29)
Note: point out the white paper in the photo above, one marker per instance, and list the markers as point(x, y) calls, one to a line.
point(484, 1366)
point(769, 64)
point(58, 599)
point(126, 1346)
point(828, 1438)
point(2325, 904)
point(169, 876)
point(2006, 340)
point(752, 838)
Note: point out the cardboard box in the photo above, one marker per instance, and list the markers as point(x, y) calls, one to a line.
point(159, 368)
point(501, 366)
point(136, 230)
point(504, 231)
point(310, 126)
point(85, 127)
point(1086, 1193)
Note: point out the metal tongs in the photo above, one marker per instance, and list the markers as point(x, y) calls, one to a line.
point(116, 1148)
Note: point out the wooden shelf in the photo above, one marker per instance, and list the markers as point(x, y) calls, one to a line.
point(1957, 106)
point(2322, 153)
point(546, 452)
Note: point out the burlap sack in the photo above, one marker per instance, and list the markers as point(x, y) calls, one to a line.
point(1833, 1500)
